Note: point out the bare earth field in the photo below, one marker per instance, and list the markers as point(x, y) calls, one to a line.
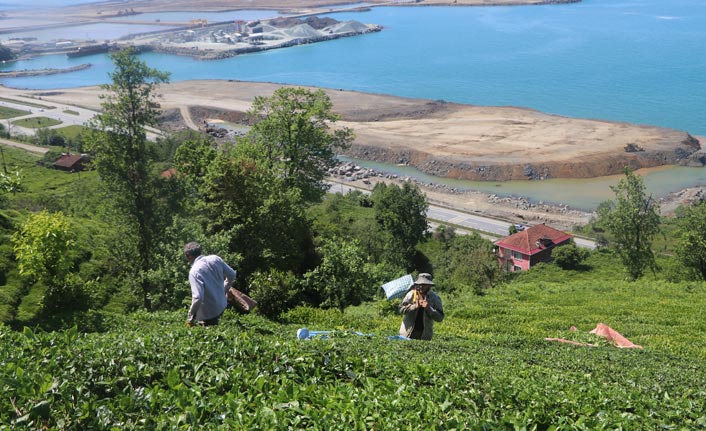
point(112, 7)
point(432, 133)
point(450, 140)
point(439, 138)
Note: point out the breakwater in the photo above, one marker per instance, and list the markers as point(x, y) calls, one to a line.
point(46, 71)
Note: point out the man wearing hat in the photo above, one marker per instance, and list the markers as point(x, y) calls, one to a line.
point(420, 308)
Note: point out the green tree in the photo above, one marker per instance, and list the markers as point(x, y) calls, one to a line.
point(400, 213)
point(691, 238)
point(343, 277)
point(43, 246)
point(9, 183)
point(294, 134)
point(632, 220)
point(473, 264)
point(348, 216)
point(265, 221)
point(193, 157)
point(48, 137)
point(119, 147)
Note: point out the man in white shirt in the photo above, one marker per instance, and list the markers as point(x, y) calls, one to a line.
point(210, 278)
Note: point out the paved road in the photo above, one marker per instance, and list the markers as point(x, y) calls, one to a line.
point(67, 114)
point(493, 228)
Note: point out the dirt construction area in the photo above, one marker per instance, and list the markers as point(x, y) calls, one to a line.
point(438, 138)
point(448, 139)
point(445, 139)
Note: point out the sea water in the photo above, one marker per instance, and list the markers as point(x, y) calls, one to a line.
point(636, 61)
point(639, 61)
point(14, 5)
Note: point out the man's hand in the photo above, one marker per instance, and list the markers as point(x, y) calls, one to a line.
point(423, 303)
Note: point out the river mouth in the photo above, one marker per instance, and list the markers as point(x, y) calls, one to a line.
point(581, 194)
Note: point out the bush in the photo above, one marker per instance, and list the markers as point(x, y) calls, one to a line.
point(343, 277)
point(570, 256)
point(275, 291)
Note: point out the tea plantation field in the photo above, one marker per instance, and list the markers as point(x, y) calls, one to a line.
point(488, 367)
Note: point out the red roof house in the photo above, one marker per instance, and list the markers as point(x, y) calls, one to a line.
point(522, 250)
point(71, 162)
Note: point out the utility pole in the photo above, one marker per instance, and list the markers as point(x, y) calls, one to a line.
point(4, 165)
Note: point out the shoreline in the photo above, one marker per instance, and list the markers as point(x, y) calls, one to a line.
point(198, 100)
point(437, 140)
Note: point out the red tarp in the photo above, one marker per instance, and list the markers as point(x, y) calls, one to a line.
point(606, 332)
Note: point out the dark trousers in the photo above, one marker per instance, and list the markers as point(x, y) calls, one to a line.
point(211, 322)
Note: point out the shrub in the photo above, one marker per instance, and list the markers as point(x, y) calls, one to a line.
point(569, 256)
point(275, 291)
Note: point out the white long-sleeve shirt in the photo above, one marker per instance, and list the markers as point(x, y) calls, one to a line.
point(210, 278)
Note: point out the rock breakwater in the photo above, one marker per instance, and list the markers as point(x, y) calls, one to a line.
point(684, 153)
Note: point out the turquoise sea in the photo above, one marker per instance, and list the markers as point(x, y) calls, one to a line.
point(13, 5)
point(637, 61)
point(640, 61)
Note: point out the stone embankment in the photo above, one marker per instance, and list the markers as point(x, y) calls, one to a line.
point(506, 206)
point(685, 153)
point(39, 72)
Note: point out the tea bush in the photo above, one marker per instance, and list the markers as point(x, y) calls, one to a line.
point(488, 366)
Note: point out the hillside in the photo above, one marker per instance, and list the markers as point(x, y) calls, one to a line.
point(488, 367)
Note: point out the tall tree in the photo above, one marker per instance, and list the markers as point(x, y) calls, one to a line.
point(264, 220)
point(401, 214)
point(119, 148)
point(294, 134)
point(691, 234)
point(632, 220)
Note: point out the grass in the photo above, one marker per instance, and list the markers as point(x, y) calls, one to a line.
point(70, 132)
point(36, 122)
point(6, 112)
point(70, 112)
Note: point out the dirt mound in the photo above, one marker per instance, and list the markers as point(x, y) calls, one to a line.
point(203, 113)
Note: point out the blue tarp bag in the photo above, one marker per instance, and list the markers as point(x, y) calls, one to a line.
point(398, 287)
